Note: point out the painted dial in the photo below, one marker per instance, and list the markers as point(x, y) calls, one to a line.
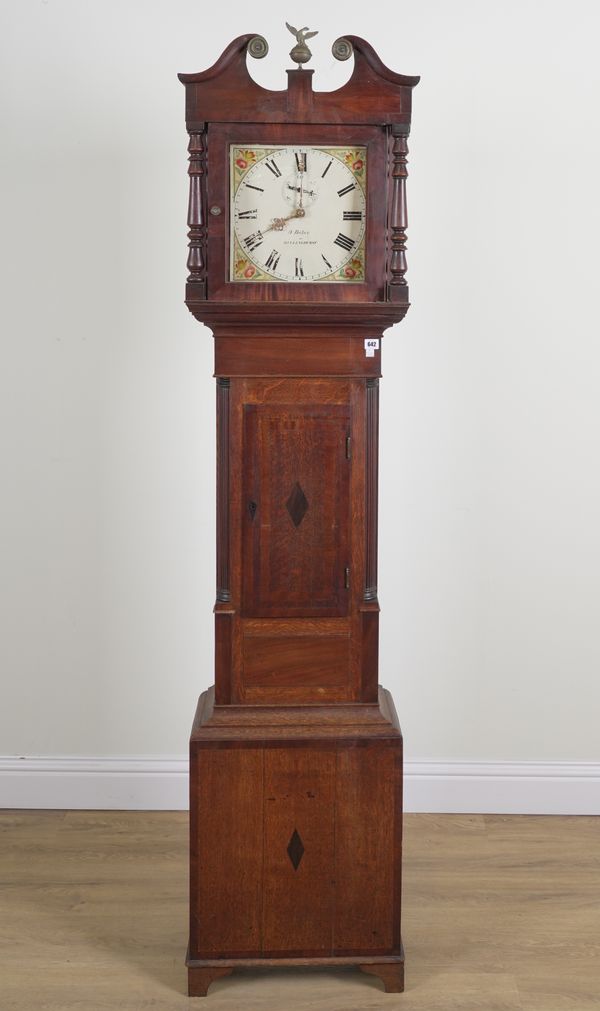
point(297, 213)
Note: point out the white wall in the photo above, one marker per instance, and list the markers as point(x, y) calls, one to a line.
point(490, 486)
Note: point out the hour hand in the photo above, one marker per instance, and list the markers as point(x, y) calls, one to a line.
point(278, 224)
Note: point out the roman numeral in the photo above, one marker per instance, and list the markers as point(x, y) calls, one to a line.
point(352, 215)
point(272, 260)
point(253, 241)
point(272, 166)
point(327, 261)
point(343, 241)
point(250, 215)
point(301, 162)
point(346, 189)
point(327, 167)
point(299, 267)
point(251, 187)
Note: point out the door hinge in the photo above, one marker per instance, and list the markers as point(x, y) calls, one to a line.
point(347, 578)
point(348, 449)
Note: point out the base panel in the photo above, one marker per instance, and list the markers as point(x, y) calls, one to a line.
point(201, 973)
point(296, 824)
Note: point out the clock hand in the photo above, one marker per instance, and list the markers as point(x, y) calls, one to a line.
point(310, 193)
point(278, 223)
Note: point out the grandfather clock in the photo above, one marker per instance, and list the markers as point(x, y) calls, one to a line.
point(297, 218)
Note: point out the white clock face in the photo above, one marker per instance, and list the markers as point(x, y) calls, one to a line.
point(298, 213)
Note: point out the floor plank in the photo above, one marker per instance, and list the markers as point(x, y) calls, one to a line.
point(500, 914)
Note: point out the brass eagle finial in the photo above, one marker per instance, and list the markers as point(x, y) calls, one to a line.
point(300, 53)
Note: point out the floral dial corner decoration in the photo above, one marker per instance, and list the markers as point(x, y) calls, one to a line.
point(298, 213)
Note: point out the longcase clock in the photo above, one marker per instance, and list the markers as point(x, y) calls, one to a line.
point(297, 218)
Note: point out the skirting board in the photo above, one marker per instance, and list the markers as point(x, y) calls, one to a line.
point(161, 784)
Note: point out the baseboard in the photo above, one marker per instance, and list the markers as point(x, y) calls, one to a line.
point(120, 784)
point(503, 787)
point(161, 784)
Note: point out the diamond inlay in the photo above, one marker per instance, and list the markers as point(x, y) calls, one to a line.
point(295, 849)
point(297, 505)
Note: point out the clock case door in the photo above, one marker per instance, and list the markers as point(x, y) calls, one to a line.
point(219, 138)
point(295, 528)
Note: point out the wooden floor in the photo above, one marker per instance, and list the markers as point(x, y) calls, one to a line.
point(500, 914)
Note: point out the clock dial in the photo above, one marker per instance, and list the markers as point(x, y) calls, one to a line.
point(298, 213)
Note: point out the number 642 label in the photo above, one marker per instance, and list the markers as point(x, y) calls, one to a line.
point(371, 346)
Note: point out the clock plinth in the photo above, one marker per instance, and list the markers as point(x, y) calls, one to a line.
point(296, 825)
point(297, 229)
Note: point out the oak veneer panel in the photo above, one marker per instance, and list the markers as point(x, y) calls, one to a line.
point(226, 849)
point(296, 512)
point(364, 850)
point(296, 661)
point(298, 903)
point(315, 663)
